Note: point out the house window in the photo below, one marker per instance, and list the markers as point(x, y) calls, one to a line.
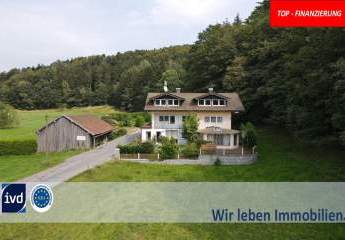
point(219, 119)
point(158, 102)
point(163, 118)
point(207, 119)
point(235, 140)
point(221, 102)
point(176, 102)
point(215, 102)
point(201, 102)
point(163, 102)
point(208, 102)
point(213, 119)
point(172, 119)
point(170, 102)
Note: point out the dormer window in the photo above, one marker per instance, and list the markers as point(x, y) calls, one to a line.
point(211, 102)
point(166, 102)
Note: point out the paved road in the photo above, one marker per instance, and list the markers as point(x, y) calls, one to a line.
point(80, 163)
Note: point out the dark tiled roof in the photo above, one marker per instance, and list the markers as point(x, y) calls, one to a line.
point(92, 124)
point(234, 102)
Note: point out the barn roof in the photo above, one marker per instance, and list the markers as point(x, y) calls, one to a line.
point(92, 124)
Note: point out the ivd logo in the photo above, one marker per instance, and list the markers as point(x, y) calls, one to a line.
point(13, 198)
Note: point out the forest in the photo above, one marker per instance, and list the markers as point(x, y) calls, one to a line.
point(286, 77)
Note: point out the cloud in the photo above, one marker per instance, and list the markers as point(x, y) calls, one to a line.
point(42, 31)
point(182, 11)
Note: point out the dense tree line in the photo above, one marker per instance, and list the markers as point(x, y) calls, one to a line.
point(293, 77)
point(121, 80)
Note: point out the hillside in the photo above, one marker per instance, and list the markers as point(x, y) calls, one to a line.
point(292, 78)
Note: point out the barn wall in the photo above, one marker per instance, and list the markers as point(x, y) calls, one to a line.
point(62, 135)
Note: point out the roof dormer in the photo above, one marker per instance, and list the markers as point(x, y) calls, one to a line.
point(166, 100)
point(212, 99)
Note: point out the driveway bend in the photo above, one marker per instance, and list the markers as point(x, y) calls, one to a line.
point(75, 165)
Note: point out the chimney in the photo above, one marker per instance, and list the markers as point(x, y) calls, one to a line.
point(178, 90)
point(210, 90)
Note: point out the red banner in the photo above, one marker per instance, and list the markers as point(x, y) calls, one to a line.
point(307, 13)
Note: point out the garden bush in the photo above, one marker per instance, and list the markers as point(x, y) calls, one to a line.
point(139, 121)
point(190, 150)
point(118, 133)
point(168, 149)
point(146, 147)
point(22, 147)
point(8, 116)
point(248, 134)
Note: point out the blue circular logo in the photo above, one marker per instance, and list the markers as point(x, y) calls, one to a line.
point(41, 198)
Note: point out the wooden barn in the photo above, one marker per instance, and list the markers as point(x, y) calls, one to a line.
point(72, 132)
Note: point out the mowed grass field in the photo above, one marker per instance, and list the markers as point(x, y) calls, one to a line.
point(19, 166)
point(31, 121)
point(281, 159)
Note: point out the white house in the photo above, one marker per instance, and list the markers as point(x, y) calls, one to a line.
point(214, 111)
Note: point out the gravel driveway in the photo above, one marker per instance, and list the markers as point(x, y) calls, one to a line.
point(80, 163)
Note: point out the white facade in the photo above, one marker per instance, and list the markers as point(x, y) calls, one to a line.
point(170, 124)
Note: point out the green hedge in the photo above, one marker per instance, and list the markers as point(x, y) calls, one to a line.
point(22, 147)
point(146, 147)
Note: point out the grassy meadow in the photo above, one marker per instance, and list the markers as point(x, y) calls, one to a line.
point(14, 167)
point(281, 159)
point(31, 121)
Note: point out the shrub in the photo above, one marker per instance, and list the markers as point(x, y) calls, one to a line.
point(22, 147)
point(139, 121)
point(8, 116)
point(248, 134)
point(124, 119)
point(190, 150)
point(218, 162)
point(146, 147)
point(190, 128)
point(118, 133)
point(168, 149)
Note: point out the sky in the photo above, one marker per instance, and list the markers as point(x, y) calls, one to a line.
point(42, 31)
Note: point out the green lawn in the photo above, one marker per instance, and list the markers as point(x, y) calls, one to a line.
point(281, 159)
point(173, 231)
point(16, 167)
point(31, 121)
